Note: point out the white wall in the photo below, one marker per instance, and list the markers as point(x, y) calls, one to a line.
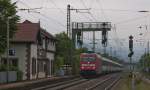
point(50, 56)
point(33, 54)
point(51, 46)
point(20, 50)
point(33, 50)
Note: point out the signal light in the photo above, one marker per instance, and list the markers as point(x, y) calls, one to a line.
point(130, 54)
point(130, 46)
point(130, 42)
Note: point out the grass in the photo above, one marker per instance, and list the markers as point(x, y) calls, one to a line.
point(147, 75)
point(122, 85)
point(125, 84)
point(143, 86)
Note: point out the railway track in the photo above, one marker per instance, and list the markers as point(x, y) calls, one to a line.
point(100, 83)
point(44, 83)
point(106, 84)
point(62, 85)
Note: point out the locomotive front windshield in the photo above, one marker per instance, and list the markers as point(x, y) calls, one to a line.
point(88, 59)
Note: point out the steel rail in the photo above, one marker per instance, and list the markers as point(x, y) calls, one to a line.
point(98, 83)
point(73, 84)
point(112, 84)
point(56, 84)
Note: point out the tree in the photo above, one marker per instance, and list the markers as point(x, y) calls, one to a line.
point(76, 60)
point(144, 62)
point(63, 46)
point(7, 9)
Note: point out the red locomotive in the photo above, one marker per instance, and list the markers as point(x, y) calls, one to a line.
point(94, 64)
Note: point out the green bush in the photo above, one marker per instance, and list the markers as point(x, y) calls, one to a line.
point(19, 75)
point(13, 68)
point(138, 81)
point(3, 67)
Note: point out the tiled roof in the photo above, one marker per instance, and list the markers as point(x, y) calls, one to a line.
point(28, 31)
point(48, 35)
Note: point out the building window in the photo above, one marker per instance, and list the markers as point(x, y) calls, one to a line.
point(4, 61)
point(52, 67)
point(40, 66)
point(43, 45)
point(12, 52)
point(12, 62)
point(45, 67)
point(33, 66)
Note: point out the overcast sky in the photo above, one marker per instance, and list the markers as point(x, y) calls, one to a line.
point(123, 14)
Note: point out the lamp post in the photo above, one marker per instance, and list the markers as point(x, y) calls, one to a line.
point(7, 22)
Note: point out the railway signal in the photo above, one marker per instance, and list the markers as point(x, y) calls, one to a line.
point(130, 46)
point(131, 42)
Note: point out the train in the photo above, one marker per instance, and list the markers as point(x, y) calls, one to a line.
point(92, 64)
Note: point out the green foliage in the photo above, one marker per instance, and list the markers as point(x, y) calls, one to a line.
point(3, 67)
point(19, 75)
point(58, 62)
point(76, 60)
point(138, 81)
point(8, 10)
point(63, 46)
point(144, 61)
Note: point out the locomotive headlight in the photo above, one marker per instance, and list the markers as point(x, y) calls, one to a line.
point(82, 67)
point(93, 67)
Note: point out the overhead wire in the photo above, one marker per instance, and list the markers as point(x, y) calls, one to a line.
point(117, 40)
point(91, 4)
point(83, 14)
point(101, 8)
point(57, 7)
point(88, 10)
point(131, 20)
point(42, 15)
point(43, 4)
point(126, 21)
point(121, 22)
point(28, 11)
point(145, 35)
point(26, 6)
point(51, 19)
point(117, 10)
